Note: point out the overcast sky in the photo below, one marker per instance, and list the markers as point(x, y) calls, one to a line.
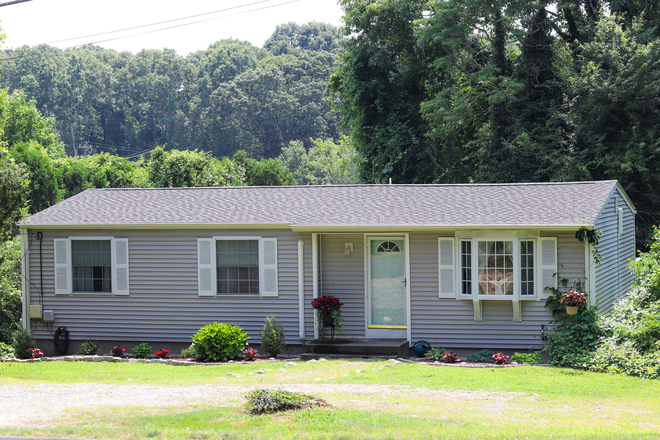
point(47, 21)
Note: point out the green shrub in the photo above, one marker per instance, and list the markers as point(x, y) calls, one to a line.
point(483, 356)
point(141, 351)
point(219, 342)
point(273, 339)
point(6, 351)
point(23, 341)
point(10, 288)
point(525, 358)
point(188, 352)
point(89, 347)
point(267, 401)
point(436, 353)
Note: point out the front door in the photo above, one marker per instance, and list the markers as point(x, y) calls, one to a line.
point(386, 288)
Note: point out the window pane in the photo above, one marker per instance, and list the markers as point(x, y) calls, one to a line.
point(243, 273)
point(232, 246)
point(254, 258)
point(242, 246)
point(243, 286)
point(242, 259)
point(254, 246)
point(232, 286)
point(222, 287)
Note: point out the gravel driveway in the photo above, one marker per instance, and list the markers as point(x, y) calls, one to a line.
point(25, 405)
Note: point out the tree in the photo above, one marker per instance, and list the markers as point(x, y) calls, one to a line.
point(326, 163)
point(265, 172)
point(175, 169)
point(10, 288)
point(292, 37)
point(382, 81)
point(13, 195)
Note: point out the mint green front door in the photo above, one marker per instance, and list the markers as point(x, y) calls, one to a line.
point(387, 288)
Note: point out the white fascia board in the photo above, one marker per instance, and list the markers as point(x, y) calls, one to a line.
point(625, 198)
point(166, 226)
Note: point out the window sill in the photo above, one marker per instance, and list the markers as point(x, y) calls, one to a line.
point(497, 298)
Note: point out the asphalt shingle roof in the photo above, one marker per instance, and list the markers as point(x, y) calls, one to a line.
point(522, 204)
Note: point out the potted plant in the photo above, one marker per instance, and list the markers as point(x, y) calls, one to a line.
point(573, 299)
point(328, 313)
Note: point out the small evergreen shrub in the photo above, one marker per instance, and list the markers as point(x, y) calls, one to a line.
point(141, 351)
point(23, 342)
point(267, 401)
point(436, 353)
point(273, 339)
point(89, 347)
point(483, 356)
point(6, 351)
point(188, 352)
point(525, 358)
point(219, 342)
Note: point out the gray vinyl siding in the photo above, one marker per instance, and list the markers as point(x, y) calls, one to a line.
point(613, 278)
point(163, 304)
point(451, 323)
point(343, 275)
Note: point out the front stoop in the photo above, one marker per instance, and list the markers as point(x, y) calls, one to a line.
point(356, 348)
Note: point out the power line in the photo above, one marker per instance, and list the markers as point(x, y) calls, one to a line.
point(180, 25)
point(160, 22)
point(13, 2)
point(148, 32)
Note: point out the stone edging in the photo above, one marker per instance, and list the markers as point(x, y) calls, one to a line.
point(97, 358)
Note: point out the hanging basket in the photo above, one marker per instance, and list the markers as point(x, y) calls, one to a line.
point(572, 310)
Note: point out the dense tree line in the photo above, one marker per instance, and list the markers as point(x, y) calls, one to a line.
point(452, 91)
point(232, 96)
point(35, 173)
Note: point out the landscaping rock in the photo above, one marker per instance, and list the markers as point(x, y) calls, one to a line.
point(87, 358)
point(96, 358)
point(313, 361)
point(233, 375)
point(290, 364)
point(321, 359)
point(108, 359)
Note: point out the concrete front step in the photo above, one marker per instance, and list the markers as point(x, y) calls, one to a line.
point(358, 348)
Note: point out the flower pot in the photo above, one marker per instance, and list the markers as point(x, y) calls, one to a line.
point(327, 321)
point(572, 310)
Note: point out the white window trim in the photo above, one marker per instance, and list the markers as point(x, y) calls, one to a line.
point(214, 262)
point(512, 236)
point(113, 266)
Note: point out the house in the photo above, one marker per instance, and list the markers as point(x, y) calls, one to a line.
point(463, 266)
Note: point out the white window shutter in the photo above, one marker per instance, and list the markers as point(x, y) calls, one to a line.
point(62, 249)
point(205, 269)
point(269, 267)
point(548, 265)
point(120, 275)
point(446, 268)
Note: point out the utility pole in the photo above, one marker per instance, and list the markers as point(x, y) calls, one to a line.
point(13, 2)
point(85, 148)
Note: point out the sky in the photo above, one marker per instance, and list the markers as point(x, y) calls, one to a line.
point(50, 21)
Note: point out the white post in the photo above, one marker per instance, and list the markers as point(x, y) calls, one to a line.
point(25, 285)
point(315, 277)
point(301, 288)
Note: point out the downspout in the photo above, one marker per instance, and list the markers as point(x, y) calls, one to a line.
point(315, 276)
point(301, 290)
point(25, 278)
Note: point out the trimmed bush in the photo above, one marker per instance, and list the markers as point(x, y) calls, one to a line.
point(141, 351)
point(273, 339)
point(23, 341)
point(483, 356)
point(188, 352)
point(89, 347)
point(219, 342)
point(267, 401)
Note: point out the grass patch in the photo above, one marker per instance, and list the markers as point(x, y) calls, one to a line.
point(413, 401)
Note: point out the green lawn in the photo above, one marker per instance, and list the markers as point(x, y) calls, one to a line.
point(409, 401)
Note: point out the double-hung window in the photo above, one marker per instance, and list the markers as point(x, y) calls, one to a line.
point(244, 266)
point(91, 265)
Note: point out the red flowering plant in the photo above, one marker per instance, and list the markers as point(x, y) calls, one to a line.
point(574, 298)
point(35, 352)
point(328, 306)
point(249, 354)
point(451, 357)
point(163, 354)
point(500, 358)
point(117, 351)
